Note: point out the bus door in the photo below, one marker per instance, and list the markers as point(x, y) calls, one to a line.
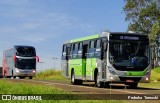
point(84, 57)
point(65, 58)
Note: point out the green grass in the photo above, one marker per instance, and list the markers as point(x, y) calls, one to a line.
point(50, 75)
point(155, 74)
point(11, 87)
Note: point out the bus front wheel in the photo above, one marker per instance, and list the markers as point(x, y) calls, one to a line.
point(133, 85)
point(30, 77)
point(98, 83)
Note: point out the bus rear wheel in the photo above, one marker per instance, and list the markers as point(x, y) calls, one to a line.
point(74, 81)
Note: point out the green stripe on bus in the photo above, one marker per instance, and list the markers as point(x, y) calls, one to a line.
point(85, 38)
point(136, 73)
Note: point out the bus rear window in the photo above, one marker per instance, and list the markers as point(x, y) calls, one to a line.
point(25, 51)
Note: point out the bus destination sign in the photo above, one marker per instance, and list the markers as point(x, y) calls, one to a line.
point(129, 38)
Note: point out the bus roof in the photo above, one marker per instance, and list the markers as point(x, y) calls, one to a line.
point(103, 34)
point(23, 46)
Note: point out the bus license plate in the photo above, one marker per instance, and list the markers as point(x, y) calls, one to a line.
point(129, 81)
point(26, 72)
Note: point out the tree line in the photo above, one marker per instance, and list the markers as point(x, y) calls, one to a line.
point(144, 17)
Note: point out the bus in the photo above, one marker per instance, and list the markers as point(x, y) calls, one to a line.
point(19, 61)
point(109, 57)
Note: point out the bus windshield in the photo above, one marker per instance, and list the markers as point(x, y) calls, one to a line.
point(25, 51)
point(127, 55)
point(25, 63)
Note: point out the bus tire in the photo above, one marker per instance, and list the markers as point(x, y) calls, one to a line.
point(74, 81)
point(4, 76)
point(98, 83)
point(12, 77)
point(133, 85)
point(73, 78)
point(30, 77)
point(22, 77)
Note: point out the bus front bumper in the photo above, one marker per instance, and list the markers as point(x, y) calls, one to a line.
point(25, 72)
point(124, 79)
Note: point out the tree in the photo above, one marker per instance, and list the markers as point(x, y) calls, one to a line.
point(144, 17)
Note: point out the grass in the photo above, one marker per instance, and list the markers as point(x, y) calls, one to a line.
point(155, 74)
point(155, 79)
point(11, 87)
point(50, 75)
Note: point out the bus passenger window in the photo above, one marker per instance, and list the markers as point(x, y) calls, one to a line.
point(73, 47)
point(80, 46)
point(92, 44)
point(64, 52)
point(98, 49)
point(64, 48)
point(98, 44)
point(70, 54)
point(91, 50)
point(75, 50)
point(79, 50)
point(76, 46)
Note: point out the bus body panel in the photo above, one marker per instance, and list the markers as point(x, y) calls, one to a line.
point(64, 67)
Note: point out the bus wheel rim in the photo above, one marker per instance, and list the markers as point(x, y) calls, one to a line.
point(73, 78)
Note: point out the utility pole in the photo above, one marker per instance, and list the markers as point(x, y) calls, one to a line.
point(41, 64)
point(54, 58)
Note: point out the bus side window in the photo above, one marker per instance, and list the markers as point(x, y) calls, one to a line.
point(75, 50)
point(91, 49)
point(98, 48)
point(64, 52)
point(79, 50)
point(70, 54)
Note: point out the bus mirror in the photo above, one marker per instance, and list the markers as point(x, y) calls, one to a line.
point(37, 59)
point(104, 46)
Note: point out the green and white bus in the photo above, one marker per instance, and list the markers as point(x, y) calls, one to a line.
point(109, 57)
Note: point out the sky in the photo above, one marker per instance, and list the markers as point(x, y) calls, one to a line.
point(47, 24)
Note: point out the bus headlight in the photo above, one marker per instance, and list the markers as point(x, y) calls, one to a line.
point(34, 71)
point(17, 71)
point(111, 71)
point(147, 79)
point(111, 77)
